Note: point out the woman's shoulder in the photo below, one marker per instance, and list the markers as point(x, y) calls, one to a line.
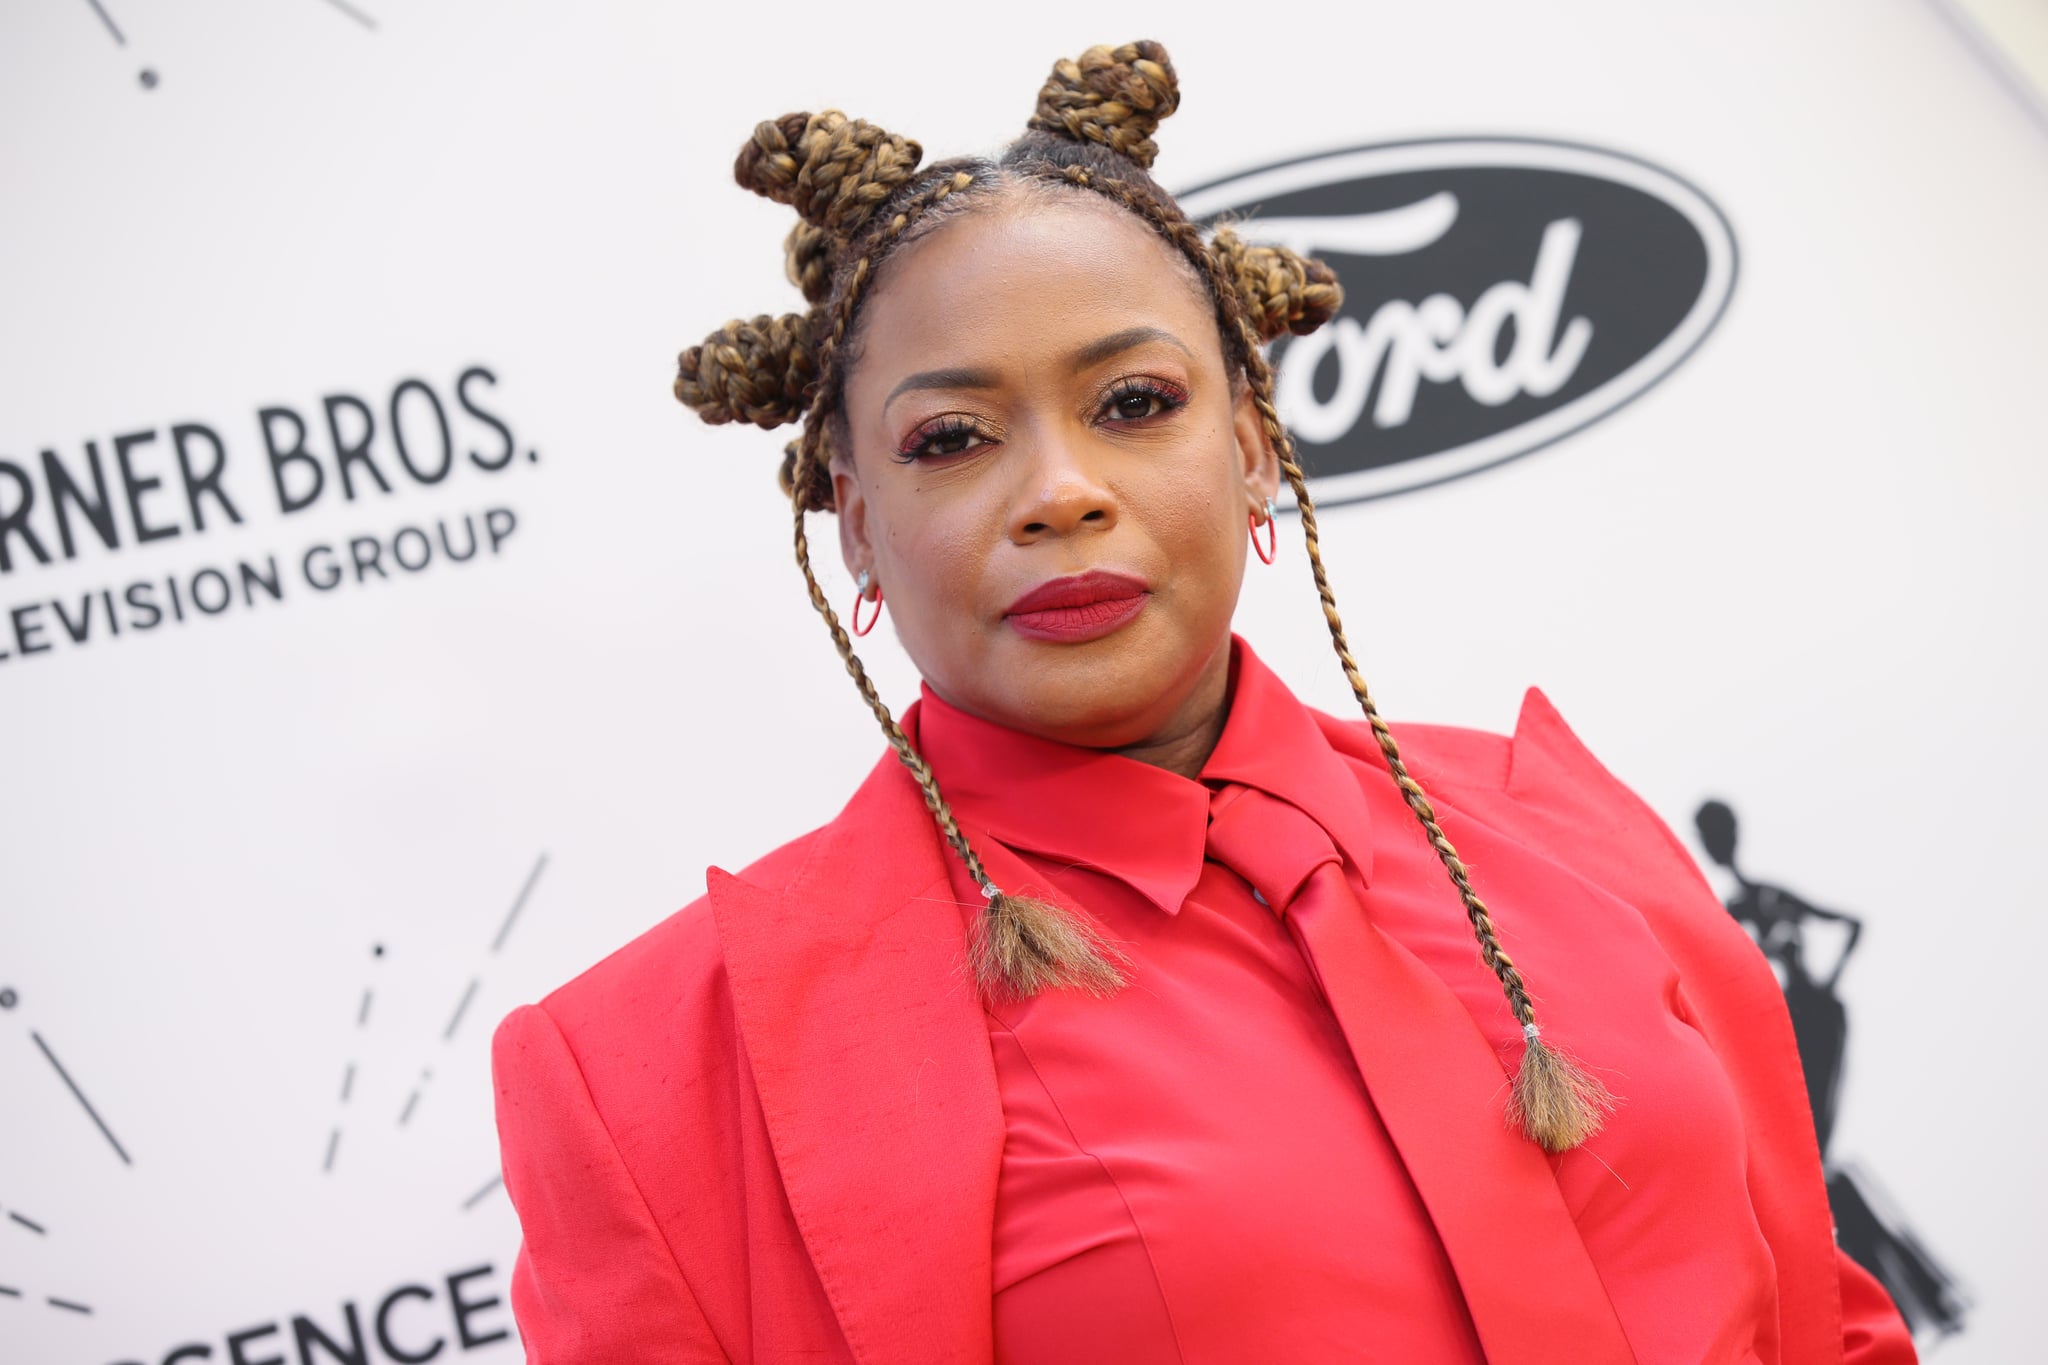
point(1457, 755)
point(1546, 788)
point(1543, 762)
point(666, 983)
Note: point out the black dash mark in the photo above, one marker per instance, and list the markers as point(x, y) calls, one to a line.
point(477, 1198)
point(94, 1113)
point(518, 904)
point(412, 1100)
point(28, 1223)
point(460, 1006)
point(108, 20)
point(68, 1305)
point(348, 1075)
point(352, 12)
point(363, 1011)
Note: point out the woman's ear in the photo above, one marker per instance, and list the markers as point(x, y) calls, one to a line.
point(1257, 459)
point(852, 511)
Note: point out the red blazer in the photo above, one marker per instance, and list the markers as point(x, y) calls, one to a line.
point(768, 1129)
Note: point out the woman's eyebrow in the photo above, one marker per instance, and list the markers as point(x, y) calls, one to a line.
point(942, 379)
point(1095, 352)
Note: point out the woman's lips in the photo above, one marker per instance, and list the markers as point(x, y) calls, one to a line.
point(1085, 606)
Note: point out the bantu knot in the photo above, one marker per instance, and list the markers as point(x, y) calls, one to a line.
point(1281, 290)
point(831, 169)
point(1112, 95)
point(807, 260)
point(807, 483)
point(754, 371)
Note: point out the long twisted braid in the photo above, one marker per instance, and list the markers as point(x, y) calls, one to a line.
point(862, 198)
point(1023, 945)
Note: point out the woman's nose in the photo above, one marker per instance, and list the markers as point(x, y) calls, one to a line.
point(1061, 493)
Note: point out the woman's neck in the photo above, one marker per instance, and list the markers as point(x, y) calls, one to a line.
point(1185, 744)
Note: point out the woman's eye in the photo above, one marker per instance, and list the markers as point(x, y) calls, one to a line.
point(953, 442)
point(952, 438)
point(1135, 403)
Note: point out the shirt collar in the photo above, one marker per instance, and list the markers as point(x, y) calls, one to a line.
point(1141, 824)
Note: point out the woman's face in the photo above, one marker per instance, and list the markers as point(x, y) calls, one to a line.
point(1049, 475)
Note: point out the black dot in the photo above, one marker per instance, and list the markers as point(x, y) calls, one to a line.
point(533, 457)
point(148, 78)
point(7, 997)
point(376, 950)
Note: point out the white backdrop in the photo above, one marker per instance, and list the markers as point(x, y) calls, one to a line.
point(268, 877)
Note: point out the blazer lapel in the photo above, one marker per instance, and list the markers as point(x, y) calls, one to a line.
point(870, 1053)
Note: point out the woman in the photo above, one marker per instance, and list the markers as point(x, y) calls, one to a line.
point(1127, 1012)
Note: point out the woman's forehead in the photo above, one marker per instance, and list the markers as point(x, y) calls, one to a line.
point(1027, 274)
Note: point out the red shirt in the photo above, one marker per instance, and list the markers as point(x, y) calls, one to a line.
point(771, 1127)
point(1195, 1170)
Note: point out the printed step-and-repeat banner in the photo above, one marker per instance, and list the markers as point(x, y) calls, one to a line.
point(381, 645)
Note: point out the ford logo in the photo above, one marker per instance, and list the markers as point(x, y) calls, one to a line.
point(1500, 294)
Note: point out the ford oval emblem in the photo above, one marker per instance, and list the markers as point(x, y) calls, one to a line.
point(1500, 294)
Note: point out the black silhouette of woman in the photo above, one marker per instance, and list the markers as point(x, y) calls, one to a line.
point(1864, 1225)
point(1777, 919)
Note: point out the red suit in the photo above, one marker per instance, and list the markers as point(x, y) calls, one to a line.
point(780, 1125)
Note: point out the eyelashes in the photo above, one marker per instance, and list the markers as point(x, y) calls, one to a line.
point(942, 436)
point(1129, 401)
point(1151, 397)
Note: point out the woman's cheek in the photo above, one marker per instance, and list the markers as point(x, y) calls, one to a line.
point(1199, 535)
point(945, 563)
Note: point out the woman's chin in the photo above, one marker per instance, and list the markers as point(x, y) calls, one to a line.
point(1102, 694)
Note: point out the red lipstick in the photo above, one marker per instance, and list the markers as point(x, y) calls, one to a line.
point(1082, 607)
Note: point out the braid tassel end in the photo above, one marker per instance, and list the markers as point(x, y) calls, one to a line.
point(1555, 1102)
point(1023, 946)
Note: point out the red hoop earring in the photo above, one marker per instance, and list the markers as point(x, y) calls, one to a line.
point(1267, 552)
point(860, 595)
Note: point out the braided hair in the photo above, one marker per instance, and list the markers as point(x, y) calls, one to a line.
point(861, 196)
